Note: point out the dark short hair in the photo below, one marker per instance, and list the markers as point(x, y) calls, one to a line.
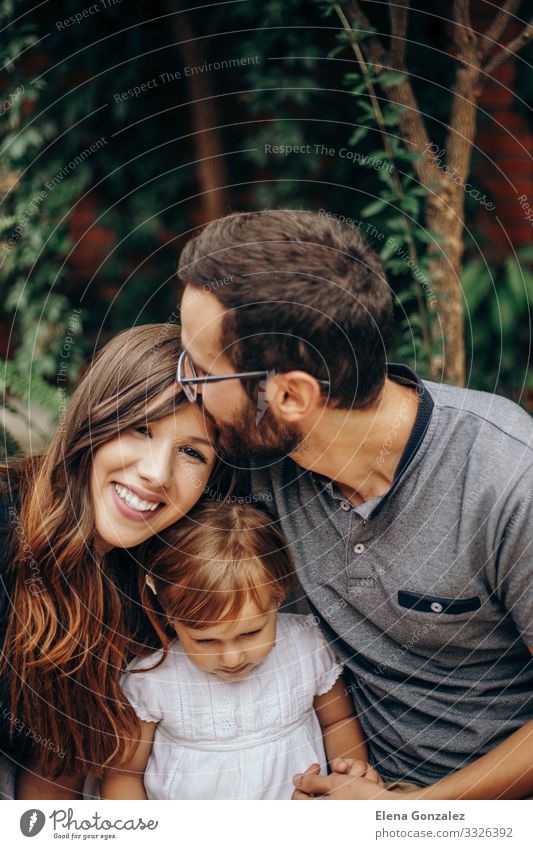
point(304, 291)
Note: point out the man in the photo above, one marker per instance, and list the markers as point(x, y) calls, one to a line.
point(407, 503)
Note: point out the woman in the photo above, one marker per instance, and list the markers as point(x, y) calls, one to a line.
point(130, 458)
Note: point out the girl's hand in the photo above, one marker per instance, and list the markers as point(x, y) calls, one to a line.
point(358, 769)
point(333, 787)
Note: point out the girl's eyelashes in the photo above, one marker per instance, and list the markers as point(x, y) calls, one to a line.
point(249, 634)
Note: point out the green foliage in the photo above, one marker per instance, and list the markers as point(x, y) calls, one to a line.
point(306, 90)
point(9, 446)
point(497, 304)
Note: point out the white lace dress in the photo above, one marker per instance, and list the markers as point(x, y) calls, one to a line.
point(240, 739)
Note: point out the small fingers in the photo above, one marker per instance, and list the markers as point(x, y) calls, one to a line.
point(349, 766)
point(341, 765)
point(298, 796)
point(373, 775)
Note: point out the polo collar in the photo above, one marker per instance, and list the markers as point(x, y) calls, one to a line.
point(400, 373)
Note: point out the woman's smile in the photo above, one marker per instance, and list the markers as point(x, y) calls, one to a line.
point(134, 503)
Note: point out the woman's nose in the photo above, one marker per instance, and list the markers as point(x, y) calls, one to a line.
point(154, 464)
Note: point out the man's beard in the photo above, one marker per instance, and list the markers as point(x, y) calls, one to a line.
point(266, 440)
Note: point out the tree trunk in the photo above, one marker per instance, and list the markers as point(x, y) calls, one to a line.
point(446, 172)
point(207, 139)
point(445, 216)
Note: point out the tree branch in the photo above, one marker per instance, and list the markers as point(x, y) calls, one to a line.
point(493, 33)
point(373, 46)
point(510, 49)
point(411, 122)
point(210, 170)
point(399, 16)
point(462, 33)
point(461, 15)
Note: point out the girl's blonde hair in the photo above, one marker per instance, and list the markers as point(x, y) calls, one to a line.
point(205, 568)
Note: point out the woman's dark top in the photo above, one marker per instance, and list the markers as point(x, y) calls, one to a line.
point(7, 522)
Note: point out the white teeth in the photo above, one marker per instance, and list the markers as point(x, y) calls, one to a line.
point(133, 500)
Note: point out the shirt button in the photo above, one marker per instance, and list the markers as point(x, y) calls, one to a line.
point(359, 548)
point(364, 523)
point(345, 505)
point(436, 607)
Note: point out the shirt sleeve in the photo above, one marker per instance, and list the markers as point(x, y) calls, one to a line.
point(514, 561)
point(327, 666)
point(141, 687)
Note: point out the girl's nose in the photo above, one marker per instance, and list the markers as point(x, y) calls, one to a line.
point(232, 659)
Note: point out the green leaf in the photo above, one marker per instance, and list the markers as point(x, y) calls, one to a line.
point(9, 446)
point(392, 114)
point(388, 249)
point(379, 154)
point(411, 205)
point(24, 384)
point(515, 281)
point(525, 253)
point(410, 156)
point(360, 133)
point(405, 297)
point(390, 79)
point(476, 283)
point(373, 208)
point(503, 314)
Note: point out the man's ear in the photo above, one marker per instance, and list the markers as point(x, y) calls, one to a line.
point(293, 395)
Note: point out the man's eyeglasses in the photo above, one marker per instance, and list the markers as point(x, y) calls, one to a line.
point(189, 381)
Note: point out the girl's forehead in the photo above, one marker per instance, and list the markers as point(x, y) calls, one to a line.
point(250, 618)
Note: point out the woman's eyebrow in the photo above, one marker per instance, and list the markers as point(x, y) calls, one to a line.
point(199, 439)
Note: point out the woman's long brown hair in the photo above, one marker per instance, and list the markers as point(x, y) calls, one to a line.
point(69, 631)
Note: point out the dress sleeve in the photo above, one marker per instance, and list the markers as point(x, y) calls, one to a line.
point(327, 666)
point(141, 687)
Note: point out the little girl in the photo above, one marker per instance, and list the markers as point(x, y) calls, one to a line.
point(244, 698)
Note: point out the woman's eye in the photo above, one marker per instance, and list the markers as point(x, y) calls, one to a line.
point(252, 633)
point(145, 431)
point(204, 642)
point(192, 452)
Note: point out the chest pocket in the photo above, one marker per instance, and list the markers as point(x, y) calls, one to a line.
point(429, 624)
point(437, 604)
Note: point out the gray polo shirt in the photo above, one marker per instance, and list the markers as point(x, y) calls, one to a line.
point(426, 591)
